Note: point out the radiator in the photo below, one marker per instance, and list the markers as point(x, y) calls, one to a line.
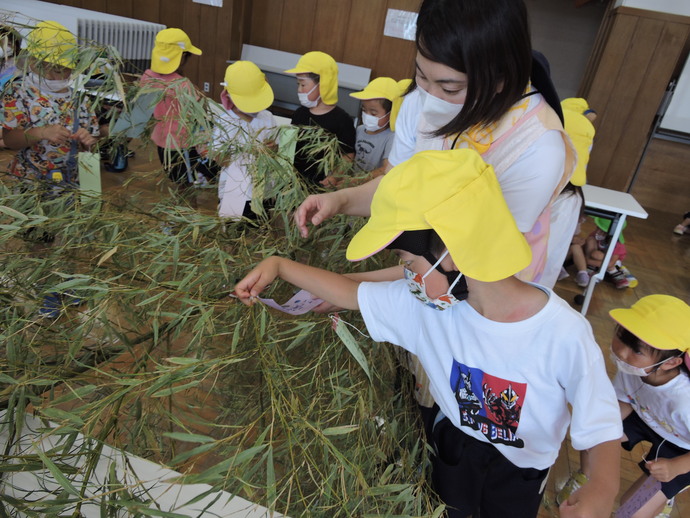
point(132, 38)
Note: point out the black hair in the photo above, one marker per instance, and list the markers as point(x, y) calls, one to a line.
point(418, 242)
point(487, 40)
point(386, 104)
point(659, 355)
point(14, 40)
point(571, 189)
point(183, 61)
point(436, 244)
point(314, 77)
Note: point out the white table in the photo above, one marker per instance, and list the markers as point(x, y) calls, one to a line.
point(615, 206)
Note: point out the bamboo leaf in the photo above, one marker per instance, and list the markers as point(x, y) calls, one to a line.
point(57, 474)
point(183, 361)
point(14, 213)
point(341, 430)
point(107, 255)
point(59, 414)
point(189, 437)
point(346, 337)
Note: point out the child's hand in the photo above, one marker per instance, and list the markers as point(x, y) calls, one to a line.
point(255, 281)
point(663, 470)
point(55, 134)
point(586, 502)
point(84, 138)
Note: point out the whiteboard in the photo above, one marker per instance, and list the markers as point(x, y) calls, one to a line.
point(677, 116)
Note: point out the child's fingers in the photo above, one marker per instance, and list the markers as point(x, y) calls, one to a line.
point(251, 286)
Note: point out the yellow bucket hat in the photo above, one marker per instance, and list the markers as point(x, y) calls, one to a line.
point(581, 132)
point(325, 66)
point(168, 48)
point(385, 88)
point(456, 194)
point(51, 42)
point(658, 320)
point(247, 86)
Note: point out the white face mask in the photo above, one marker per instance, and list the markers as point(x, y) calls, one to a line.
point(635, 371)
point(438, 112)
point(48, 85)
point(304, 98)
point(371, 122)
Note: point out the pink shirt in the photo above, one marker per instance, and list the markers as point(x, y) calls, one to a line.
point(168, 132)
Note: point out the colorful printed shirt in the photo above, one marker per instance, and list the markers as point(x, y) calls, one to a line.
point(26, 107)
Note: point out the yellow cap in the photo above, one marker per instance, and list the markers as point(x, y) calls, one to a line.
point(456, 194)
point(327, 69)
point(168, 48)
point(247, 86)
point(53, 43)
point(658, 320)
point(581, 132)
point(385, 88)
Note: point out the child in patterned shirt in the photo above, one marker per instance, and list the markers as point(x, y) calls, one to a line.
point(43, 118)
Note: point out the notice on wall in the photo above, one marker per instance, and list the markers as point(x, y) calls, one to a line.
point(400, 24)
point(214, 3)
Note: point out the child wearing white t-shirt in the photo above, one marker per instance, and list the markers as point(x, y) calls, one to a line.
point(505, 358)
point(651, 348)
point(246, 97)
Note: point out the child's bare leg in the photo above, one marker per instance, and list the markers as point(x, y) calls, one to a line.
point(648, 509)
point(579, 258)
point(593, 256)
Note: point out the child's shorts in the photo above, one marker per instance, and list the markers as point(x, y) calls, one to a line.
point(637, 430)
point(473, 478)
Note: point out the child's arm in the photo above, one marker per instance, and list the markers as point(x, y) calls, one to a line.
point(626, 409)
point(392, 273)
point(595, 499)
point(20, 138)
point(332, 287)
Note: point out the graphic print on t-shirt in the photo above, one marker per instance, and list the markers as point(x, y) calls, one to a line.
point(488, 404)
point(362, 149)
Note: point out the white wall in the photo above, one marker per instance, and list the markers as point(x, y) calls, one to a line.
point(681, 7)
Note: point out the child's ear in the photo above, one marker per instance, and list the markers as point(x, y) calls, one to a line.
point(672, 363)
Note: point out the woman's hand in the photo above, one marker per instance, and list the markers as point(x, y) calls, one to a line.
point(315, 209)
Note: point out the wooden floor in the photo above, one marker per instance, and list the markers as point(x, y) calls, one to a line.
point(656, 256)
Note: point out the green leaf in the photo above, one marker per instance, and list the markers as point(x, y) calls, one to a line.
point(346, 337)
point(341, 430)
point(189, 437)
point(57, 474)
point(14, 213)
point(62, 415)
